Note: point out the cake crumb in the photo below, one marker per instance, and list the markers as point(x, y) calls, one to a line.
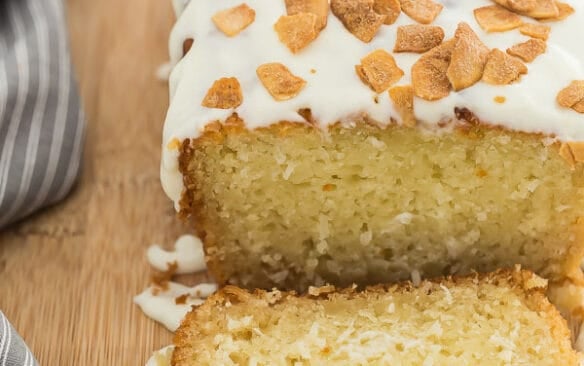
point(181, 300)
point(161, 278)
point(500, 99)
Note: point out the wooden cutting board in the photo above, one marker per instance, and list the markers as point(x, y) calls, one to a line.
point(68, 274)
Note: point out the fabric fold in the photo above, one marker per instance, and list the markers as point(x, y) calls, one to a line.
point(41, 120)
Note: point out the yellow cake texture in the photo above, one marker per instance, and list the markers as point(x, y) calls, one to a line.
point(291, 205)
point(502, 318)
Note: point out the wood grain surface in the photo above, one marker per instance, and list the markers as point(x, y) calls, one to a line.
point(68, 274)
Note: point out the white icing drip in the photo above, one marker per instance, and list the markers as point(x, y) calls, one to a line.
point(188, 255)
point(179, 6)
point(162, 357)
point(162, 307)
point(163, 71)
point(335, 93)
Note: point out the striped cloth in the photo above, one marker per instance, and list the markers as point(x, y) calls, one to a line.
point(41, 122)
point(13, 351)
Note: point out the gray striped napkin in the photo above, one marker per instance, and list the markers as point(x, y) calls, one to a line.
point(13, 351)
point(41, 122)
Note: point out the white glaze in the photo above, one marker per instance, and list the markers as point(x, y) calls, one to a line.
point(161, 357)
point(161, 306)
point(188, 255)
point(179, 6)
point(163, 71)
point(335, 93)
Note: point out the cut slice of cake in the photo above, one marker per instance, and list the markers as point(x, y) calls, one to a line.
point(309, 151)
point(502, 318)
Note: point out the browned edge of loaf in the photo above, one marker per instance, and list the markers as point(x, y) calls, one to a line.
point(466, 124)
point(527, 285)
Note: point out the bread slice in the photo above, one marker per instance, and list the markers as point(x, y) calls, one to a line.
point(290, 206)
point(502, 318)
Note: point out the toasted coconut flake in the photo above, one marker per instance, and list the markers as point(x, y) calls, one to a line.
point(535, 30)
point(233, 20)
point(564, 11)
point(358, 17)
point(224, 94)
point(572, 96)
point(279, 81)
point(519, 6)
point(390, 8)
point(579, 107)
point(379, 70)
point(495, 18)
point(418, 38)
point(469, 57)
point(537, 9)
point(422, 11)
point(528, 51)
point(544, 9)
point(502, 69)
point(160, 279)
point(317, 7)
point(297, 31)
point(403, 101)
point(429, 78)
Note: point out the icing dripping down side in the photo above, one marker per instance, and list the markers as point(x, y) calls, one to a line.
point(335, 93)
point(168, 305)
